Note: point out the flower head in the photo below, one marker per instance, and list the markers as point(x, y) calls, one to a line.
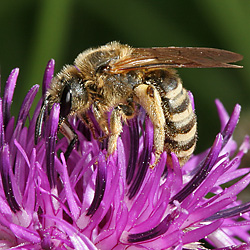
point(90, 201)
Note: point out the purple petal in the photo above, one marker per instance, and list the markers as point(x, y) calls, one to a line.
point(29, 195)
point(229, 176)
point(146, 198)
point(231, 124)
point(15, 136)
point(21, 161)
point(191, 97)
point(74, 207)
point(8, 94)
point(245, 146)
point(154, 232)
point(79, 241)
point(204, 211)
point(9, 129)
point(2, 137)
point(25, 234)
point(238, 186)
point(207, 164)
point(27, 102)
point(143, 160)
point(100, 185)
point(223, 115)
point(134, 148)
point(220, 238)
point(115, 175)
point(51, 128)
point(244, 246)
point(199, 233)
point(177, 170)
point(48, 75)
point(230, 212)
point(7, 184)
point(205, 187)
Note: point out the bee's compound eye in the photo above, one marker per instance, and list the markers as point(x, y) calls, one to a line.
point(65, 104)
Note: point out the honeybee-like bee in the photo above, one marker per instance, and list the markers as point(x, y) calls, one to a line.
point(117, 78)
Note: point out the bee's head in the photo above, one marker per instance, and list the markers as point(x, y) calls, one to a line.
point(67, 89)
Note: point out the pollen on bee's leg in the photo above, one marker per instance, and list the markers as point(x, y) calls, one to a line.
point(115, 128)
point(112, 144)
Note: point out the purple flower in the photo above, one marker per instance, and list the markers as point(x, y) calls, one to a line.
point(90, 202)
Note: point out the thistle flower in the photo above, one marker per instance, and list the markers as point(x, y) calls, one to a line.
point(90, 202)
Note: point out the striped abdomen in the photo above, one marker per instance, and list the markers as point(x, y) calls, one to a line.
point(181, 127)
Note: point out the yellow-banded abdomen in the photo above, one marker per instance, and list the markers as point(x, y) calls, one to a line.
point(180, 118)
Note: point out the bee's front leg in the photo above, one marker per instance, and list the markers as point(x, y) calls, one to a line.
point(66, 129)
point(149, 98)
point(101, 118)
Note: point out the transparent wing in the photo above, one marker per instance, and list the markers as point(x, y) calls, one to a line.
point(176, 57)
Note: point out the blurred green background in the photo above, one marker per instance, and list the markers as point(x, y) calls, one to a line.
point(32, 32)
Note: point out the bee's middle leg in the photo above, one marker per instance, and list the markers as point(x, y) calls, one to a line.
point(102, 119)
point(120, 113)
point(88, 122)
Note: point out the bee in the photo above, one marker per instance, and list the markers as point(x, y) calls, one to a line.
point(117, 78)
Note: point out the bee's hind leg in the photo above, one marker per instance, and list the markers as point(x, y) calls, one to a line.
point(149, 98)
